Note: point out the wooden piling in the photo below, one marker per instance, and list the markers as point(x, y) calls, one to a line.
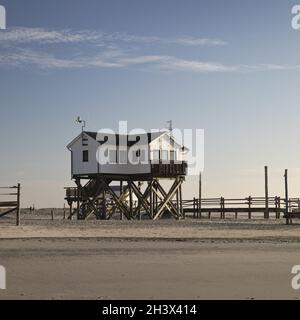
point(200, 196)
point(286, 196)
point(180, 200)
point(71, 211)
point(64, 211)
point(121, 192)
point(277, 207)
point(18, 222)
point(103, 207)
point(177, 201)
point(249, 206)
point(130, 198)
point(266, 193)
point(151, 199)
point(222, 206)
point(139, 202)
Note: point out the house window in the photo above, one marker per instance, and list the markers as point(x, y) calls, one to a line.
point(173, 156)
point(85, 156)
point(134, 157)
point(165, 155)
point(112, 156)
point(85, 141)
point(155, 155)
point(143, 156)
point(122, 157)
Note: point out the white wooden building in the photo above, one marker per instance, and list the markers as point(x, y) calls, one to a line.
point(154, 154)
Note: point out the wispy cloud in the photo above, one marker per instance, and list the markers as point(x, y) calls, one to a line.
point(48, 61)
point(176, 64)
point(21, 47)
point(118, 59)
point(271, 67)
point(30, 35)
point(182, 40)
point(40, 35)
point(43, 60)
point(98, 50)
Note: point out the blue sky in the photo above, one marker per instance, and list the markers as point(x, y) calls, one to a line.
point(229, 67)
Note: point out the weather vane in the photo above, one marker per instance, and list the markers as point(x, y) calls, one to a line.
point(170, 122)
point(81, 121)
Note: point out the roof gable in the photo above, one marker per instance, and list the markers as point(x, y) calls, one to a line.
point(131, 139)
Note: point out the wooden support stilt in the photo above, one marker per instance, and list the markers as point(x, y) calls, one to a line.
point(118, 200)
point(167, 201)
point(156, 198)
point(99, 198)
point(151, 200)
point(182, 215)
point(130, 199)
point(64, 212)
point(177, 201)
point(139, 201)
point(277, 207)
point(121, 191)
point(78, 200)
point(142, 199)
point(70, 210)
point(163, 195)
point(103, 205)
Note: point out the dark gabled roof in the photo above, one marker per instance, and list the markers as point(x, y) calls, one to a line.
point(134, 138)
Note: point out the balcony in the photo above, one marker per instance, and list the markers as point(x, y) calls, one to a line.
point(168, 169)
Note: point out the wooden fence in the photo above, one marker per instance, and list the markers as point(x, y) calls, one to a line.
point(9, 206)
point(248, 205)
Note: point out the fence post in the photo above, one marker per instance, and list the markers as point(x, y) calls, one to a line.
point(286, 196)
point(221, 208)
point(52, 215)
point(71, 210)
point(64, 211)
point(266, 193)
point(18, 222)
point(249, 206)
point(200, 196)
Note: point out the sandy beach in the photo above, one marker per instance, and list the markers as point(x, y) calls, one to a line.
point(191, 259)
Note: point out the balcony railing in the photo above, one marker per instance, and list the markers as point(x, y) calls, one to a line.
point(169, 169)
